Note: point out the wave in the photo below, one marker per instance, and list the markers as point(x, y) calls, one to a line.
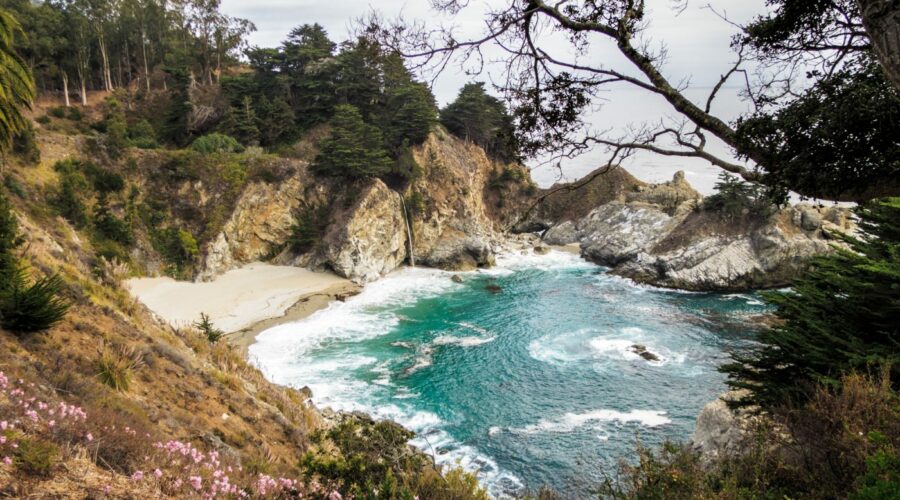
point(572, 421)
point(470, 341)
point(589, 344)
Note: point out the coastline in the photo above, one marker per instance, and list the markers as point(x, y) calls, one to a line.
point(304, 307)
point(242, 302)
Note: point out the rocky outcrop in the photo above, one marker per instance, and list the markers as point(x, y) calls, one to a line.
point(658, 234)
point(259, 225)
point(369, 239)
point(456, 209)
point(720, 430)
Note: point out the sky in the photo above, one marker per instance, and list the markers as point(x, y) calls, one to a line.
point(697, 40)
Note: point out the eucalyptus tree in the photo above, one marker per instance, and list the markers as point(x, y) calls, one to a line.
point(553, 90)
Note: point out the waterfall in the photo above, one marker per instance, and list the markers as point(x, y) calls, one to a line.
point(412, 254)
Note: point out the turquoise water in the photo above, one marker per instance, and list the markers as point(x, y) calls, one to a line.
point(529, 384)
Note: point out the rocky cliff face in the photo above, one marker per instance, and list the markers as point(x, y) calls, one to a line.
point(657, 234)
point(456, 208)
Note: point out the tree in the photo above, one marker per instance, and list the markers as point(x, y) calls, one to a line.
point(354, 149)
point(482, 119)
point(840, 317)
point(175, 127)
point(882, 22)
point(16, 82)
point(409, 109)
point(24, 307)
point(552, 90)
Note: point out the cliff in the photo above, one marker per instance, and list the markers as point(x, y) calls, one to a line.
point(663, 235)
point(456, 208)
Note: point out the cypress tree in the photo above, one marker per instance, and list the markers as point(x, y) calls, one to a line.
point(842, 316)
point(354, 149)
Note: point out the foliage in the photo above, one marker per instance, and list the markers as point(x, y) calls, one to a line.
point(840, 316)
point(208, 330)
point(10, 239)
point(36, 457)
point(308, 231)
point(116, 128)
point(354, 149)
point(109, 225)
point(69, 197)
point(25, 146)
point(241, 123)
point(216, 143)
point(16, 82)
point(30, 307)
point(482, 119)
point(175, 124)
point(142, 135)
point(843, 443)
point(735, 198)
point(838, 137)
point(178, 247)
point(116, 366)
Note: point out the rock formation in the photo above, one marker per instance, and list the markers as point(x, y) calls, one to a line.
point(659, 234)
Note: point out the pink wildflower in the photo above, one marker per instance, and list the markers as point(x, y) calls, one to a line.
point(157, 473)
point(89, 436)
point(137, 476)
point(3, 425)
point(196, 482)
point(334, 496)
point(7, 460)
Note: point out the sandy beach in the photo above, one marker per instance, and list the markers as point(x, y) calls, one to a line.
point(242, 302)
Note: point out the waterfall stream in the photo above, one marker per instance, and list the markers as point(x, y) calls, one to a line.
point(412, 254)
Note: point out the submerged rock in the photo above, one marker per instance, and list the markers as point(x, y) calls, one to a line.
point(541, 250)
point(641, 350)
point(493, 288)
point(456, 278)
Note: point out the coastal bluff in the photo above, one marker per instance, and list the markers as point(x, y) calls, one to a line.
point(662, 234)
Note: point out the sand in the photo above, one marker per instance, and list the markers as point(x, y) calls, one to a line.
point(244, 301)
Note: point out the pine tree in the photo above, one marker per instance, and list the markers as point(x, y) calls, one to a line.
point(842, 316)
point(354, 149)
point(9, 238)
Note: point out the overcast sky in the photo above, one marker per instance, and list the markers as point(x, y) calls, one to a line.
point(697, 41)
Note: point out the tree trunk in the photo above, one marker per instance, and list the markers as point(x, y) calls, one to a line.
point(882, 21)
point(65, 79)
point(107, 74)
point(84, 101)
point(144, 52)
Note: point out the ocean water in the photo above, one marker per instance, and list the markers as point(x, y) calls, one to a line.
point(523, 372)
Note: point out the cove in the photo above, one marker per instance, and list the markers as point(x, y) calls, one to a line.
point(524, 372)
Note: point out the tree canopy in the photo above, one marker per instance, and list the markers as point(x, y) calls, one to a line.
point(482, 118)
point(839, 318)
point(804, 51)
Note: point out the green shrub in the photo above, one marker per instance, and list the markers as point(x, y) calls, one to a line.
point(75, 114)
point(36, 457)
point(30, 307)
point(415, 202)
point(70, 194)
point(307, 233)
point(57, 112)
point(216, 143)
point(43, 120)
point(116, 129)
point(115, 367)
point(206, 327)
point(110, 226)
point(25, 145)
point(143, 135)
point(178, 247)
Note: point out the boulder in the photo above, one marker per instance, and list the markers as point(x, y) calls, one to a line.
point(564, 233)
point(541, 249)
point(641, 350)
point(458, 252)
point(369, 240)
point(456, 278)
